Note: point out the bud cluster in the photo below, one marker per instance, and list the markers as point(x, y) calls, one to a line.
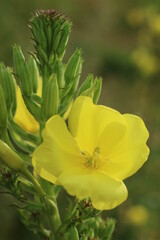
point(50, 32)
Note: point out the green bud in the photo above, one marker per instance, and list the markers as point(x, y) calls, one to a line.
point(50, 34)
point(22, 71)
point(73, 233)
point(3, 112)
point(19, 143)
point(59, 69)
point(64, 40)
point(33, 108)
point(21, 132)
point(78, 74)
point(73, 67)
point(34, 73)
point(65, 103)
point(51, 98)
point(89, 92)
point(41, 54)
point(56, 37)
point(10, 158)
point(87, 84)
point(88, 87)
point(97, 91)
point(8, 84)
point(91, 88)
point(18, 58)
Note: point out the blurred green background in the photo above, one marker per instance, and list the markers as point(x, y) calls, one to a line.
point(120, 42)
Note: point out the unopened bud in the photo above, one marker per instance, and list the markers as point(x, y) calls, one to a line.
point(56, 36)
point(50, 34)
point(10, 158)
point(51, 98)
point(22, 71)
point(59, 69)
point(77, 77)
point(34, 73)
point(97, 91)
point(73, 233)
point(73, 66)
point(65, 104)
point(87, 86)
point(3, 112)
point(91, 88)
point(64, 39)
point(8, 84)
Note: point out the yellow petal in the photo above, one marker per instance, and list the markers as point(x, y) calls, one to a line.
point(111, 136)
point(23, 116)
point(87, 122)
point(131, 153)
point(58, 152)
point(104, 191)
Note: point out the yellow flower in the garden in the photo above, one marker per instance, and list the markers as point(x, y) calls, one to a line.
point(91, 159)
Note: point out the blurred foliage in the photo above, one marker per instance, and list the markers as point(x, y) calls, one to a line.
point(121, 42)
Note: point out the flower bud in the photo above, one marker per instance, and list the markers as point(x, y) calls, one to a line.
point(77, 77)
point(91, 88)
point(10, 158)
point(87, 84)
point(73, 233)
point(97, 91)
point(64, 39)
point(56, 37)
point(22, 71)
point(65, 103)
point(73, 67)
point(34, 73)
point(3, 112)
point(59, 69)
point(50, 34)
point(8, 84)
point(51, 98)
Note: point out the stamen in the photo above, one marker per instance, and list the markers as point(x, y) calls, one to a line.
point(94, 161)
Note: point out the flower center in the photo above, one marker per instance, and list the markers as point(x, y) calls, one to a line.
point(92, 161)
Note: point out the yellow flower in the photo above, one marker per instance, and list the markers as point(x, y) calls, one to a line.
point(102, 148)
point(23, 116)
